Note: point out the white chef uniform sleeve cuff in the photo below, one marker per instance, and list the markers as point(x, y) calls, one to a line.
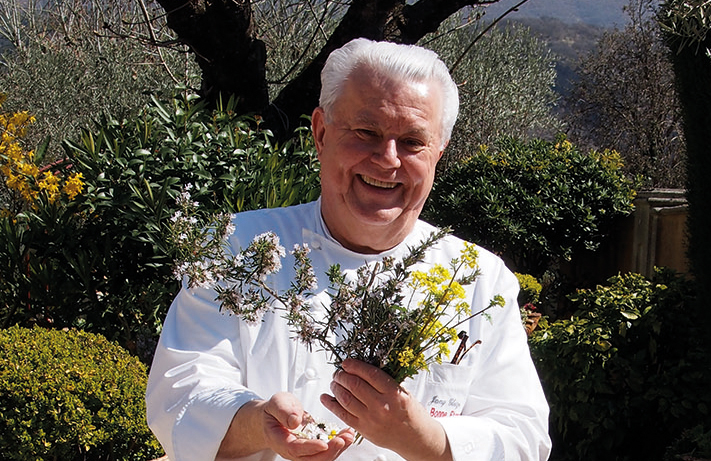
point(471, 439)
point(203, 423)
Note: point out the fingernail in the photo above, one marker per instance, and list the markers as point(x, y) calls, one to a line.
point(292, 422)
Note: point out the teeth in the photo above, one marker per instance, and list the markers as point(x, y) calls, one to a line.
point(376, 183)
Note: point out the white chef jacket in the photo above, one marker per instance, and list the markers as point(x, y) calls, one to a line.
point(208, 363)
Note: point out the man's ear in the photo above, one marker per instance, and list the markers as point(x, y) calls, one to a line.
point(442, 151)
point(318, 127)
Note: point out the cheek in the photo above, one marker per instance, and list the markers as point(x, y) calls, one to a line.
point(422, 173)
point(333, 174)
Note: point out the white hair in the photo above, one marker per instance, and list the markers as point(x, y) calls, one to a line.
point(401, 62)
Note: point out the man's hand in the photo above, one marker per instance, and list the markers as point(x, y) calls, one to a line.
point(368, 400)
point(261, 425)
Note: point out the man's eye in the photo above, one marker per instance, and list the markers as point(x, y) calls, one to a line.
point(414, 143)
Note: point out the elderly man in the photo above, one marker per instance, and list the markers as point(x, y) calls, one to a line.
point(221, 388)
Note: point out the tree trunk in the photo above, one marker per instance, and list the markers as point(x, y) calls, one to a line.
point(232, 59)
point(220, 33)
point(692, 68)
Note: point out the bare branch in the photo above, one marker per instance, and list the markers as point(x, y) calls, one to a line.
point(483, 32)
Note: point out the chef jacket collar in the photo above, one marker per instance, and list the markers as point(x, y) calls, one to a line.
point(319, 238)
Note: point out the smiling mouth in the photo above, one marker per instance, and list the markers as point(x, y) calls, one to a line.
point(375, 183)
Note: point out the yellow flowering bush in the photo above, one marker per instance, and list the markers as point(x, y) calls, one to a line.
point(21, 172)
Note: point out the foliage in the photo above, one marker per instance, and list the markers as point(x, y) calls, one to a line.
point(536, 203)
point(627, 373)
point(293, 34)
point(625, 99)
point(694, 442)
point(688, 22)
point(100, 262)
point(506, 83)
point(71, 395)
point(68, 62)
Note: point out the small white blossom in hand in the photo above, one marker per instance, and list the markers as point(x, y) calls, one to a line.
point(313, 429)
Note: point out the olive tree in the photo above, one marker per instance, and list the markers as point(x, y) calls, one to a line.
point(625, 100)
point(506, 83)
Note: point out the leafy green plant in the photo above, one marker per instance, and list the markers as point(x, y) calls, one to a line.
point(694, 442)
point(101, 261)
point(71, 395)
point(626, 374)
point(536, 202)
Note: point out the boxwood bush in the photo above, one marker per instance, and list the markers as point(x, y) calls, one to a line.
point(628, 373)
point(71, 395)
point(536, 203)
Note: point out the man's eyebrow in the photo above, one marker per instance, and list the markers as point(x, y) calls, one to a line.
point(365, 119)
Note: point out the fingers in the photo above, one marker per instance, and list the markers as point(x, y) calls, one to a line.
point(286, 409)
point(362, 395)
point(377, 378)
point(284, 413)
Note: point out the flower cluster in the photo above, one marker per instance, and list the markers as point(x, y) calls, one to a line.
point(19, 167)
point(197, 244)
point(385, 313)
point(315, 430)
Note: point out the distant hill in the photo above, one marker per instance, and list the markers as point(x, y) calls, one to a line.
point(599, 13)
point(570, 27)
point(568, 42)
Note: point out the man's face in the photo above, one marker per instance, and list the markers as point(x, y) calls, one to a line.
point(378, 156)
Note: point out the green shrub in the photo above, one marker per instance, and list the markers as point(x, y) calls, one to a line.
point(71, 395)
point(101, 262)
point(694, 443)
point(536, 203)
point(627, 374)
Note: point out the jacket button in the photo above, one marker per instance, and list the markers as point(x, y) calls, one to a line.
point(380, 458)
point(310, 373)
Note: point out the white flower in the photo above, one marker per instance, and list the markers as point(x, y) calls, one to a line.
point(316, 429)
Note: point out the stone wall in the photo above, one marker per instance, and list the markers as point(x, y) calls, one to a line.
point(658, 232)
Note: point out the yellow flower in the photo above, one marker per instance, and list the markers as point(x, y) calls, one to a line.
point(74, 185)
point(455, 291)
point(469, 255)
point(50, 185)
point(431, 280)
point(564, 145)
point(463, 308)
point(443, 351)
point(432, 330)
point(406, 357)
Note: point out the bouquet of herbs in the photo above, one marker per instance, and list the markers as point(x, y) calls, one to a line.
point(389, 315)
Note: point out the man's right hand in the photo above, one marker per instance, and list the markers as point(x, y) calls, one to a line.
point(267, 424)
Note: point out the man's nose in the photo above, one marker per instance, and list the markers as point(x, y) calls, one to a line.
point(387, 155)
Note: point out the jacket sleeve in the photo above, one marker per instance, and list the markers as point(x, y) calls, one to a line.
point(506, 414)
point(194, 387)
